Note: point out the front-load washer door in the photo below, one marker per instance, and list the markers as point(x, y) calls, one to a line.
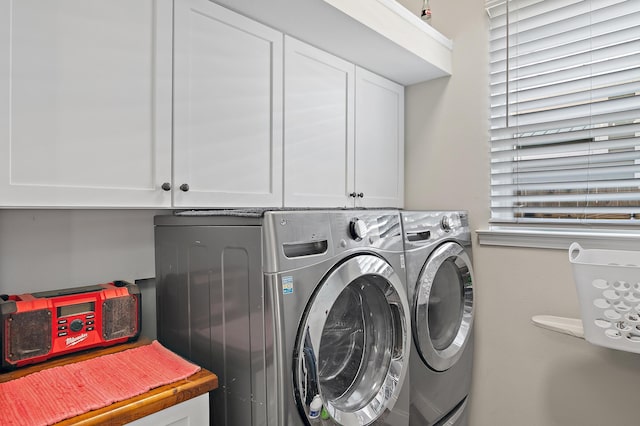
point(443, 306)
point(351, 353)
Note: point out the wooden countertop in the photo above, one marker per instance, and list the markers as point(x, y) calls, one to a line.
point(130, 409)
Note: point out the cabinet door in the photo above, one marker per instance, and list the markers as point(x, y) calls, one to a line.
point(379, 141)
point(227, 108)
point(191, 412)
point(318, 132)
point(85, 103)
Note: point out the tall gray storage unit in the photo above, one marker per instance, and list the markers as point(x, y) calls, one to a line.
point(207, 269)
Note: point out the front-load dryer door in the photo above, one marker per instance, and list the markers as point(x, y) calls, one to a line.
point(351, 353)
point(443, 306)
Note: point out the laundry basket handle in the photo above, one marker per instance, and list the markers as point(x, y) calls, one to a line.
point(574, 251)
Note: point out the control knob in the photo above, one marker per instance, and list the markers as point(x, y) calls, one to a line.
point(449, 222)
point(76, 325)
point(358, 229)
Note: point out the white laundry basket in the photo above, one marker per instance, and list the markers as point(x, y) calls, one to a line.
point(608, 284)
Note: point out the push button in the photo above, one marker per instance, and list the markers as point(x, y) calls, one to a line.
point(62, 321)
point(62, 333)
point(62, 327)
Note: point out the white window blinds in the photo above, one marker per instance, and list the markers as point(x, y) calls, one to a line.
point(565, 111)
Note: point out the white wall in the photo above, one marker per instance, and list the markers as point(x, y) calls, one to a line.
point(50, 249)
point(523, 375)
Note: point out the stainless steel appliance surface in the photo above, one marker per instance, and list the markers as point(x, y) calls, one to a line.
point(303, 315)
point(440, 290)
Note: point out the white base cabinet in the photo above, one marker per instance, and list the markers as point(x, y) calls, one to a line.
point(85, 103)
point(192, 412)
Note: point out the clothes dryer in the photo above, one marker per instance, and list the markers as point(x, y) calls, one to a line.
point(440, 289)
point(288, 308)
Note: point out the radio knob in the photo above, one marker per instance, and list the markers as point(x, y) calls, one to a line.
point(76, 325)
point(358, 229)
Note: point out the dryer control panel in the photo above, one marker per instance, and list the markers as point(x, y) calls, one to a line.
point(427, 227)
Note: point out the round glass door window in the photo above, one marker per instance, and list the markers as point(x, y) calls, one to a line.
point(443, 306)
point(352, 343)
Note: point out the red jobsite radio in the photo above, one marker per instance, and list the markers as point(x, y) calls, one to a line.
point(39, 326)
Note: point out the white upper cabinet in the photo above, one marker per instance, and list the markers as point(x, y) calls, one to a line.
point(344, 133)
point(379, 152)
point(85, 103)
point(318, 133)
point(188, 104)
point(227, 147)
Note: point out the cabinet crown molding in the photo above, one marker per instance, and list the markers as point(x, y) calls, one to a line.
point(379, 35)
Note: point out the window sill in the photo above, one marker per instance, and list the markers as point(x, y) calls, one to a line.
point(559, 238)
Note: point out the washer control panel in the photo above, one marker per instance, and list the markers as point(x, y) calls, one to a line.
point(322, 234)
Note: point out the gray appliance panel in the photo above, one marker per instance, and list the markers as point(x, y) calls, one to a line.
point(209, 305)
point(433, 394)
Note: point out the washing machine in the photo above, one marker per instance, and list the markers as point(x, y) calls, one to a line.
point(303, 315)
point(440, 290)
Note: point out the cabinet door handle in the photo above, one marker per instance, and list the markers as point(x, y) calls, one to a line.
point(184, 187)
point(166, 186)
point(361, 195)
point(352, 194)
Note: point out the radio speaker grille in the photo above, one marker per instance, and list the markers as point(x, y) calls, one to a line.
point(29, 334)
point(119, 317)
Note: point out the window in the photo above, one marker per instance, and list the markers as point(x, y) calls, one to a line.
point(565, 113)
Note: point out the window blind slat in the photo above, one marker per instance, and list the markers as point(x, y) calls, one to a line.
point(564, 162)
point(576, 173)
point(564, 32)
point(501, 131)
point(591, 37)
point(568, 24)
point(610, 78)
point(598, 66)
point(504, 139)
point(501, 190)
point(542, 13)
point(585, 95)
point(554, 65)
point(626, 103)
point(559, 149)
